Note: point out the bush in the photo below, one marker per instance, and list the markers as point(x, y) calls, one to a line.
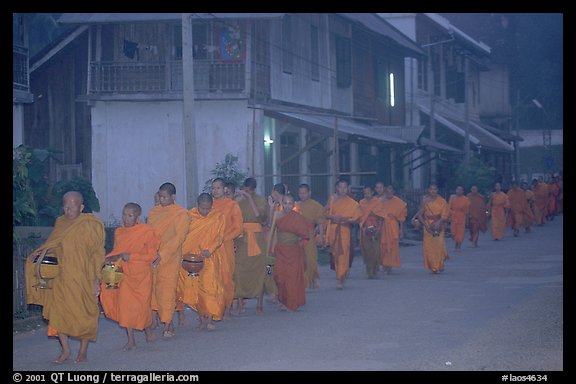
point(475, 173)
point(228, 171)
point(91, 203)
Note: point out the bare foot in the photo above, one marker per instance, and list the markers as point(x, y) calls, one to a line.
point(150, 337)
point(259, 310)
point(62, 358)
point(210, 327)
point(129, 347)
point(168, 334)
point(81, 359)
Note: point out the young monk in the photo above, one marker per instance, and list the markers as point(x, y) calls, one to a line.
point(135, 249)
point(292, 229)
point(459, 206)
point(205, 293)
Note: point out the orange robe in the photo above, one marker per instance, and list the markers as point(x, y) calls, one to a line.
point(553, 191)
point(459, 209)
point(250, 270)
point(434, 247)
point(129, 305)
point(541, 196)
point(290, 260)
point(477, 215)
point(370, 226)
point(171, 224)
point(71, 306)
point(529, 218)
point(338, 235)
point(519, 210)
point(205, 293)
point(498, 203)
point(314, 214)
point(233, 228)
point(394, 211)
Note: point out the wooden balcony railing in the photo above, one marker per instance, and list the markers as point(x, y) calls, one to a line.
point(20, 72)
point(157, 77)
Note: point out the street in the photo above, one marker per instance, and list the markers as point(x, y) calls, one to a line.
point(498, 307)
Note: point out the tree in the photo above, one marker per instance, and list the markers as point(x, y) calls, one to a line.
point(227, 170)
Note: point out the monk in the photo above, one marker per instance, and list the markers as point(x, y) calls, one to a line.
point(529, 218)
point(459, 206)
point(553, 193)
point(230, 190)
point(250, 269)
point(393, 211)
point(370, 225)
point(170, 221)
point(205, 293)
point(519, 209)
point(274, 208)
point(232, 229)
point(433, 214)
point(341, 211)
point(541, 196)
point(71, 302)
point(477, 214)
point(292, 229)
point(135, 249)
point(497, 209)
point(314, 214)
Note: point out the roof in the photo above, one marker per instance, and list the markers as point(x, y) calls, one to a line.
point(325, 124)
point(458, 34)
point(377, 24)
point(94, 18)
point(479, 136)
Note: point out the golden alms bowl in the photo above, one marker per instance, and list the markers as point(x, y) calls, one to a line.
point(112, 275)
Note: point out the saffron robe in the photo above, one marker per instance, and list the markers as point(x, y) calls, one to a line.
point(314, 214)
point(459, 208)
point(519, 210)
point(338, 235)
point(477, 214)
point(290, 260)
point(251, 266)
point(71, 306)
point(498, 204)
point(370, 227)
point(171, 224)
point(394, 211)
point(130, 304)
point(205, 293)
point(434, 247)
point(233, 228)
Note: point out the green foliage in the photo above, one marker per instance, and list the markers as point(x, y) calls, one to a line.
point(476, 173)
point(30, 184)
point(91, 203)
point(227, 170)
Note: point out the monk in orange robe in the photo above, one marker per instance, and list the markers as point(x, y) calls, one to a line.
point(292, 229)
point(370, 225)
point(393, 210)
point(459, 206)
point(497, 208)
point(314, 214)
point(250, 270)
point(170, 221)
point(541, 196)
point(205, 293)
point(433, 214)
point(233, 228)
point(477, 215)
point(553, 192)
point(519, 209)
point(135, 249)
point(274, 208)
point(529, 217)
point(71, 302)
point(341, 211)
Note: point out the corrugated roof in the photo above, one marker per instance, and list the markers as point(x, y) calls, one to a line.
point(345, 125)
point(377, 24)
point(94, 18)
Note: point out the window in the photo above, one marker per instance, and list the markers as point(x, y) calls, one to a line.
point(287, 57)
point(343, 62)
point(314, 54)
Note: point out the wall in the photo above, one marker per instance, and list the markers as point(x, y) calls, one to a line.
point(139, 145)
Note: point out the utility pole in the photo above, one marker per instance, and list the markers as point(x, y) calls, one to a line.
point(517, 143)
point(188, 118)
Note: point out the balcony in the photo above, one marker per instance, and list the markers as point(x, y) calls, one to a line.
point(210, 76)
point(20, 74)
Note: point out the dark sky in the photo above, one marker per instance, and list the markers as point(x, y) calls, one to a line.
point(532, 44)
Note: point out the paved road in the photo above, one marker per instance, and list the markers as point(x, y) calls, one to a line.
point(498, 307)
